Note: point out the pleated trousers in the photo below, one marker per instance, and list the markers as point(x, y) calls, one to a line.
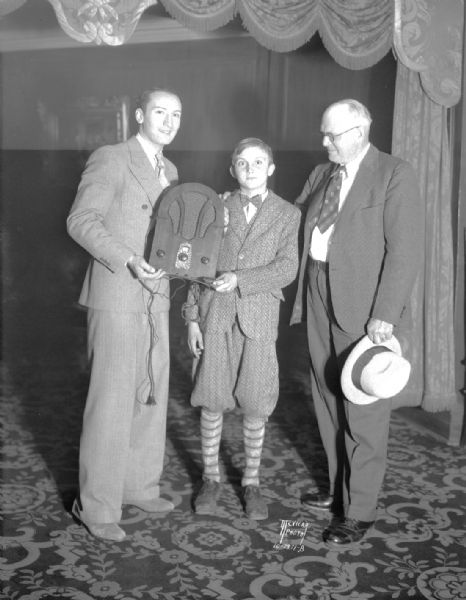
point(123, 439)
point(355, 437)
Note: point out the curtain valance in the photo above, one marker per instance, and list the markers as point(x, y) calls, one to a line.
point(427, 35)
point(357, 33)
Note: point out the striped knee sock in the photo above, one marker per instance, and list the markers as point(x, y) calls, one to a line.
point(211, 433)
point(253, 433)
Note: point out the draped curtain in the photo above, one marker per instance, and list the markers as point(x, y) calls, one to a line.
point(420, 134)
point(426, 36)
point(428, 39)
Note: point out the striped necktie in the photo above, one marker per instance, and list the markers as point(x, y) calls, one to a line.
point(160, 170)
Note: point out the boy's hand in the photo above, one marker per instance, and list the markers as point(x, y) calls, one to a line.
point(195, 339)
point(227, 282)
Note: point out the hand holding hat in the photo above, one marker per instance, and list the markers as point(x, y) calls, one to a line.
point(374, 371)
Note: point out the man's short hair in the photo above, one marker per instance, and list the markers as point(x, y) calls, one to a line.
point(144, 98)
point(249, 143)
point(356, 109)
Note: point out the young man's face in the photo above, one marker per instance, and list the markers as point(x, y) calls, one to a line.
point(252, 168)
point(161, 119)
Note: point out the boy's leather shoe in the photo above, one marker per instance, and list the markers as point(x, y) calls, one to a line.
point(318, 501)
point(206, 501)
point(254, 504)
point(346, 531)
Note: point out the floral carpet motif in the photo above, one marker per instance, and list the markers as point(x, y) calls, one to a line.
point(416, 549)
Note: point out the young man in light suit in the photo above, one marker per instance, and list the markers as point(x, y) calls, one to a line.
point(123, 435)
point(235, 324)
point(360, 259)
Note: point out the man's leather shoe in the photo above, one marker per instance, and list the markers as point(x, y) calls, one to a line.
point(318, 501)
point(346, 531)
point(156, 505)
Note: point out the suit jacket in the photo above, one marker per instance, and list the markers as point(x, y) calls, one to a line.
point(264, 257)
point(376, 247)
point(110, 218)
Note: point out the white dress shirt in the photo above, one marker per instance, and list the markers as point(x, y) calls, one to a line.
point(251, 209)
point(148, 149)
point(320, 241)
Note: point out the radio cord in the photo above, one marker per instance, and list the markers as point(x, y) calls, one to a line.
point(153, 337)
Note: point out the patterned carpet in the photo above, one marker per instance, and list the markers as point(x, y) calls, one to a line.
point(416, 550)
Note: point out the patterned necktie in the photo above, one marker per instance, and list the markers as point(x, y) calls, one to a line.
point(160, 170)
point(329, 210)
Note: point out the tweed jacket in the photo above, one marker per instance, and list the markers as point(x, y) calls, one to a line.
point(376, 247)
point(110, 218)
point(264, 257)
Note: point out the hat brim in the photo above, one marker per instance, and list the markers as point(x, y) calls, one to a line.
point(351, 392)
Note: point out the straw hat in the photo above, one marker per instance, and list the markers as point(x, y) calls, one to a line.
point(374, 371)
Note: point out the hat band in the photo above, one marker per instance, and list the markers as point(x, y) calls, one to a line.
point(362, 361)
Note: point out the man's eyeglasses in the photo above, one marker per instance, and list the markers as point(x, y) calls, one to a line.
point(332, 136)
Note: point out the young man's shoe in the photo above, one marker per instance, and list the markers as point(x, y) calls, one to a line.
point(206, 500)
point(254, 503)
point(346, 531)
point(156, 505)
point(106, 531)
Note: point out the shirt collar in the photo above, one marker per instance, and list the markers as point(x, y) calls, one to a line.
point(353, 165)
point(148, 149)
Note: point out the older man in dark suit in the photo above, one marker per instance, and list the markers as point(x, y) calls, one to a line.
point(123, 436)
point(362, 248)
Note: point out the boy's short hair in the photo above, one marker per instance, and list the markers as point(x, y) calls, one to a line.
point(248, 143)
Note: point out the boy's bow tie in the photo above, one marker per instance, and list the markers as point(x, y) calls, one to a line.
point(256, 200)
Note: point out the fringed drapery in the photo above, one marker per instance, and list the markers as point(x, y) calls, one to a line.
point(420, 135)
point(428, 38)
point(357, 33)
point(100, 21)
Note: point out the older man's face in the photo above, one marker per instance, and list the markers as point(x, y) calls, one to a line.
point(342, 135)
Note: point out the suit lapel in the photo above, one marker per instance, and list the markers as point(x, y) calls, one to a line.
point(142, 170)
point(362, 184)
point(237, 221)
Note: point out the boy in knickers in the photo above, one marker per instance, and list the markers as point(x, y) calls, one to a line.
point(233, 326)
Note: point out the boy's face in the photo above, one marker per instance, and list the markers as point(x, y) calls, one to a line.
point(252, 168)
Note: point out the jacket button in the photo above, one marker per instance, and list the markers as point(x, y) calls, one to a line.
point(241, 256)
point(144, 207)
